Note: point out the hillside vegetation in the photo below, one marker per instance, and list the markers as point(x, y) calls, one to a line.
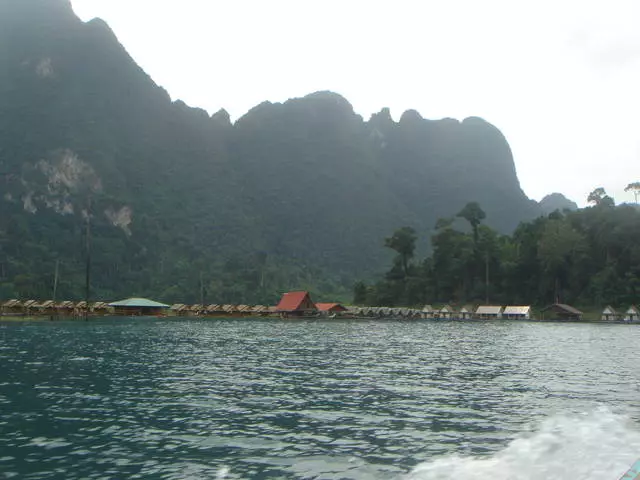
point(184, 204)
point(587, 257)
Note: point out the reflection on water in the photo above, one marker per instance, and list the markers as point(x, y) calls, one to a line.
point(267, 398)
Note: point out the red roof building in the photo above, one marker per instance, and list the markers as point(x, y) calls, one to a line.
point(296, 303)
point(330, 307)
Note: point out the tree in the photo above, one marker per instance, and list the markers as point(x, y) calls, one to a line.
point(558, 249)
point(599, 198)
point(473, 214)
point(403, 241)
point(360, 293)
point(635, 188)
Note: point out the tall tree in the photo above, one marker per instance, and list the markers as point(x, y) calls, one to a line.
point(473, 214)
point(635, 188)
point(599, 198)
point(403, 241)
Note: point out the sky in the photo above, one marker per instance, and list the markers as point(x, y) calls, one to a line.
point(560, 78)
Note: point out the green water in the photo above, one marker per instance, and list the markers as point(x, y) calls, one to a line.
point(180, 398)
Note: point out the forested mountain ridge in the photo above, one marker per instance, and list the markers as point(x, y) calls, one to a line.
point(292, 195)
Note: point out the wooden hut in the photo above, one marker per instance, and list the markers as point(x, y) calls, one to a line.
point(609, 314)
point(214, 310)
point(632, 314)
point(296, 304)
point(179, 310)
point(11, 307)
point(244, 310)
point(230, 310)
point(195, 310)
point(79, 308)
point(353, 312)
point(465, 313)
point(65, 308)
point(139, 307)
point(428, 312)
point(561, 311)
point(330, 308)
point(101, 308)
point(489, 312)
point(28, 307)
point(47, 307)
point(517, 312)
point(260, 310)
point(447, 312)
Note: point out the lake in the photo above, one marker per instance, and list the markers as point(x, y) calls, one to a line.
point(266, 398)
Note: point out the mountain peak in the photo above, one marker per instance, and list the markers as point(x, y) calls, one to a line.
point(221, 117)
point(556, 201)
point(411, 116)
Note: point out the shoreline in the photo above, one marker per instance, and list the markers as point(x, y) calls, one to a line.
point(51, 319)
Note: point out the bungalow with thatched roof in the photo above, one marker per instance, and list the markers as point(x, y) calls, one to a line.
point(47, 307)
point(28, 306)
point(632, 314)
point(296, 304)
point(244, 310)
point(466, 313)
point(447, 312)
point(80, 307)
point(517, 312)
point(139, 307)
point(428, 312)
point(609, 314)
point(195, 310)
point(260, 310)
point(65, 308)
point(101, 308)
point(229, 310)
point(561, 311)
point(178, 310)
point(489, 312)
point(214, 310)
point(11, 307)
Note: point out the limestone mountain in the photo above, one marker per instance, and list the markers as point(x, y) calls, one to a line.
point(184, 205)
point(556, 201)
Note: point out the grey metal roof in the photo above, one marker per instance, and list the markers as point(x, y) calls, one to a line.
point(489, 310)
point(517, 310)
point(138, 303)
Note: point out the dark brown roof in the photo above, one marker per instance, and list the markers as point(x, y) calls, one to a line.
point(564, 307)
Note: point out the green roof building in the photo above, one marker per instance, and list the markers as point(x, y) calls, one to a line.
point(138, 307)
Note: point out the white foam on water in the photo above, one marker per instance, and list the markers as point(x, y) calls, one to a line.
point(595, 446)
point(222, 473)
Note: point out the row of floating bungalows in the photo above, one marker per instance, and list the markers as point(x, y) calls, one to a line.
point(485, 312)
point(381, 312)
point(333, 309)
point(215, 310)
point(66, 308)
point(610, 314)
point(29, 308)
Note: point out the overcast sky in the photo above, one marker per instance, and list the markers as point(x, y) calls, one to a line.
point(560, 78)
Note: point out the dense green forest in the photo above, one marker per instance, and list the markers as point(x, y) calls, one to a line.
point(589, 256)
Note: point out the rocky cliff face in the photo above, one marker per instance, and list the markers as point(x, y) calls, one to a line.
point(298, 194)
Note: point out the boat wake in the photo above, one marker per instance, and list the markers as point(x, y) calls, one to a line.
point(596, 446)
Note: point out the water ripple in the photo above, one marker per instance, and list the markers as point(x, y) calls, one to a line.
point(182, 399)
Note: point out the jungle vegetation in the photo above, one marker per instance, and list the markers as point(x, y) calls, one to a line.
point(589, 256)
